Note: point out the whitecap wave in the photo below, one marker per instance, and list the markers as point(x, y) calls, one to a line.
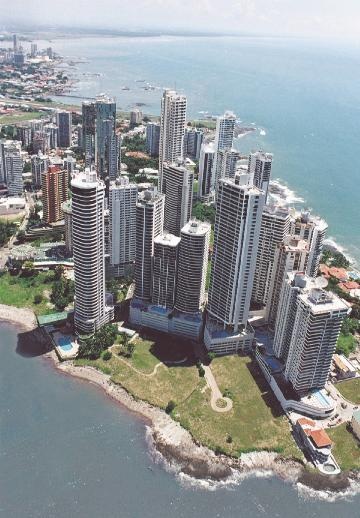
point(281, 194)
point(262, 132)
point(308, 493)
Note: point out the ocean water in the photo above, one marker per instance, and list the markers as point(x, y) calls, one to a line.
point(66, 450)
point(303, 97)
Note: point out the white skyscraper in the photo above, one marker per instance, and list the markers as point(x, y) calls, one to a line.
point(192, 266)
point(149, 225)
point(226, 161)
point(88, 195)
point(164, 268)
point(177, 185)
point(39, 164)
point(67, 211)
point(13, 167)
point(260, 169)
point(224, 136)
point(313, 231)
point(172, 129)
point(317, 324)
point(206, 183)
point(292, 255)
point(275, 224)
point(236, 237)
point(122, 221)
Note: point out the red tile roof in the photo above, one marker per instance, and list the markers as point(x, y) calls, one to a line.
point(319, 437)
point(304, 421)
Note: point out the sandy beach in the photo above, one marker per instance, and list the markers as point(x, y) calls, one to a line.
point(19, 316)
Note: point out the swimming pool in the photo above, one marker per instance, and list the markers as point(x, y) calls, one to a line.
point(65, 343)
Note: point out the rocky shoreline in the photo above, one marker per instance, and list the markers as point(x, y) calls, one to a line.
point(185, 456)
point(174, 446)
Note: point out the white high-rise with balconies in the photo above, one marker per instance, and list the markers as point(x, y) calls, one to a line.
point(275, 224)
point(224, 135)
point(88, 196)
point(177, 185)
point(236, 237)
point(260, 169)
point(172, 129)
point(122, 225)
point(226, 163)
point(317, 324)
point(13, 167)
point(149, 225)
point(291, 255)
point(192, 266)
point(313, 230)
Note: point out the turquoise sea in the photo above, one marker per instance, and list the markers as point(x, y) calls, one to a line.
point(304, 96)
point(66, 451)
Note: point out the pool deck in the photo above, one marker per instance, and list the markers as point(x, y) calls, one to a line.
point(64, 354)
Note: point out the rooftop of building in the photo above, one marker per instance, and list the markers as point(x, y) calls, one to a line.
point(277, 211)
point(195, 227)
point(167, 240)
point(331, 271)
point(319, 437)
point(321, 301)
point(293, 244)
point(85, 179)
point(263, 155)
point(149, 196)
point(122, 182)
point(306, 283)
point(242, 182)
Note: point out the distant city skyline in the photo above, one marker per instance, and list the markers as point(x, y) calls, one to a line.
point(324, 18)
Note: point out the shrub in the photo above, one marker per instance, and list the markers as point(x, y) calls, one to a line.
point(201, 371)
point(170, 406)
point(229, 439)
point(107, 356)
point(38, 298)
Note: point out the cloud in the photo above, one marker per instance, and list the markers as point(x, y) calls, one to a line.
point(302, 17)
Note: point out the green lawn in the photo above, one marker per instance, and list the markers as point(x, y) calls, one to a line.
point(350, 389)
point(346, 344)
point(256, 421)
point(12, 118)
point(346, 448)
point(20, 291)
point(169, 382)
point(204, 123)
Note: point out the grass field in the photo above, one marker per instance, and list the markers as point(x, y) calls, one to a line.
point(346, 448)
point(169, 383)
point(20, 291)
point(350, 389)
point(13, 118)
point(255, 422)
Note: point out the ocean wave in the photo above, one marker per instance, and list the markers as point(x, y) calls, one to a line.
point(307, 493)
point(262, 132)
point(282, 194)
point(331, 243)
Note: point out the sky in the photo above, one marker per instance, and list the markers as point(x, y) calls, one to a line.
point(309, 18)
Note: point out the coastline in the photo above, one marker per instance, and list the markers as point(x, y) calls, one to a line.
point(174, 448)
point(22, 317)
